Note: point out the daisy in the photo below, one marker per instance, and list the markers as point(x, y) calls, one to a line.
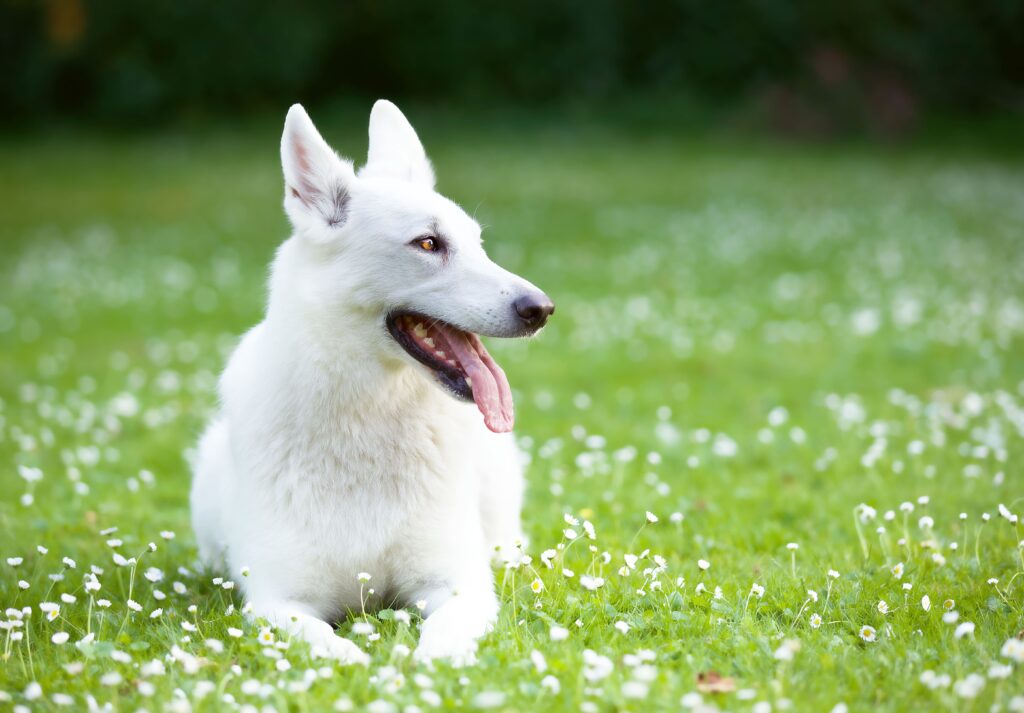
point(537, 586)
point(867, 633)
point(558, 633)
point(964, 629)
point(883, 607)
point(815, 621)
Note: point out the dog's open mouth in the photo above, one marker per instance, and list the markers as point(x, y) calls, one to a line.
point(459, 362)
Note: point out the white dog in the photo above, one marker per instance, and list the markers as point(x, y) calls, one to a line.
point(339, 448)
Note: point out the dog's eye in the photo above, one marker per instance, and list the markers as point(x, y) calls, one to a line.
point(427, 244)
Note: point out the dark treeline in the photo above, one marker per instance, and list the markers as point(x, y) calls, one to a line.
point(805, 62)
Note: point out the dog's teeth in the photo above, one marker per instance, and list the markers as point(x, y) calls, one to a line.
point(429, 342)
point(440, 354)
point(469, 382)
point(452, 362)
point(419, 330)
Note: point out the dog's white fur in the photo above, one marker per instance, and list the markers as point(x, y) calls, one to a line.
point(334, 453)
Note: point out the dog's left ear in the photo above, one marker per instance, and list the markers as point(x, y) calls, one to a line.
point(395, 149)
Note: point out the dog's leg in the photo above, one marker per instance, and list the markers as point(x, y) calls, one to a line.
point(298, 620)
point(456, 618)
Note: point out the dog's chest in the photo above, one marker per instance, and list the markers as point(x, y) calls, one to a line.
point(350, 496)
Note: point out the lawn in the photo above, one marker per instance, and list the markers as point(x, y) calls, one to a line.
point(784, 385)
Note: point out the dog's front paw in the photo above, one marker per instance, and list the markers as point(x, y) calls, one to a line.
point(340, 649)
point(449, 634)
point(457, 650)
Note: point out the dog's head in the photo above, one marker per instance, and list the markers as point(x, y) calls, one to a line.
point(382, 243)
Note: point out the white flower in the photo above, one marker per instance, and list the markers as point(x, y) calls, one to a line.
point(61, 637)
point(787, 650)
point(68, 598)
point(634, 690)
point(552, 684)
point(757, 590)
point(153, 574)
point(651, 517)
point(998, 670)
point(234, 632)
point(969, 687)
point(792, 546)
point(964, 629)
point(558, 633)
point(867, 633)
point(363, 576)
point(812, 595)
point(153, 668)
point(134, 605)
point(15, 561)
point(951, 617)
point(156, 613)
point(33, 691)
point(570, 534)
point(595, 666)
point(537, 586)
point(539, 662)
point(112, 678)
point(833, 574)
point(362, 628)
point(591, 583)
point(622, 626)
point(815, 620)
point(897, 570)
point(70, 563)
point(883, 607)
point(865, 513)
point(926, 603)
point(907, 507)
point(675, 518)
point(546, 556)
point(1013, 649)
point(703, 564)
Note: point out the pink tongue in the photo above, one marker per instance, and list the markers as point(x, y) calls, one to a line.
point(491, 391)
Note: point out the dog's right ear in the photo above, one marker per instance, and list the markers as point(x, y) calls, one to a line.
point(317, 181)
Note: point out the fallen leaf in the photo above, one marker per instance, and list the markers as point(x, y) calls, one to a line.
point(714, 682)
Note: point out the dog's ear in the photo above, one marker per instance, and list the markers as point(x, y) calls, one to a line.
point(317, 181)
point(395, 149)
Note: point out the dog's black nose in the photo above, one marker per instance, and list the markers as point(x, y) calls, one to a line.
point(534, 309)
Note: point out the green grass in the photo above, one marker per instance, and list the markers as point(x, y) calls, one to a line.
point(758, 337)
